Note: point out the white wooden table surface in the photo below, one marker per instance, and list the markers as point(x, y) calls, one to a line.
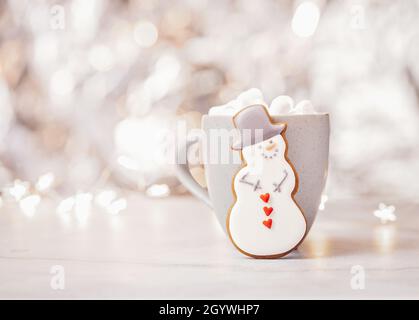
point(174, 248)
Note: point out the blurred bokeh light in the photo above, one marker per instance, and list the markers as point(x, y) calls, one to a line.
point(90, 90)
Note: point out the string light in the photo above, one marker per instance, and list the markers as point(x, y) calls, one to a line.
point(133, 78)
point(107, 199)
point(137, 148)
point(145, 34)
point(18, 189)
point(306, 19)
point(117, 206)
point(66, 205)
point(82, 206)
point(385, 213)
point(101, 58)
point(45, 182)
point(62, 82)
point(158, 190)
point(29, 204)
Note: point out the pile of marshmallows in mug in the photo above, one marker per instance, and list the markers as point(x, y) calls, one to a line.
point(279, 105)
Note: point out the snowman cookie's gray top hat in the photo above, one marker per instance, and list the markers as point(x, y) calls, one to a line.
point(254, 125)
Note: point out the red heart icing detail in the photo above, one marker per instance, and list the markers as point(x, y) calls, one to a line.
point(268, 223)
point(268, 210)
point(265, 197)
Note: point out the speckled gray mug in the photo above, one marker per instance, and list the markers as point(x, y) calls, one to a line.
point(308, 151)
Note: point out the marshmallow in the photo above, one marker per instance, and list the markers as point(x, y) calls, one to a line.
point(222, 110)
point(303, 107)
point(281, 105)
point(250, 97)
point(246, 98)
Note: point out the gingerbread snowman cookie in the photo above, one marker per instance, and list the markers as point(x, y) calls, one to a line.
point(264, 221)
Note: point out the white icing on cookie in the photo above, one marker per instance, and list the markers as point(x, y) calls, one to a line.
point(276, 226)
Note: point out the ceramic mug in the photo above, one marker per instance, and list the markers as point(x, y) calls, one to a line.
point(308, 151)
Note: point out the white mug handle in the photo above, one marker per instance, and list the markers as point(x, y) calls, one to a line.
point(185, 176)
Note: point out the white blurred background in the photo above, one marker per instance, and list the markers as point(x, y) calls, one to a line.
point(90, 90)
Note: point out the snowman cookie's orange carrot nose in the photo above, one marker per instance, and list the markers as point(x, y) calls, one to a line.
point(270, 146)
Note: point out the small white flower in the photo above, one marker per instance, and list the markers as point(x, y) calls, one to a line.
point(385, 213)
